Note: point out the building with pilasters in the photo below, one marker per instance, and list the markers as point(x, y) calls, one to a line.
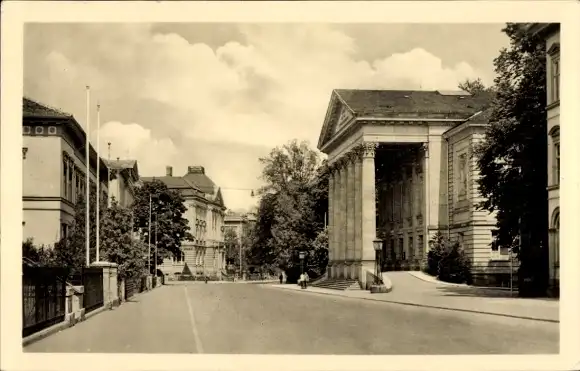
point(54, 171)
point(402, 169)
point(205, 255)
point(550, 32)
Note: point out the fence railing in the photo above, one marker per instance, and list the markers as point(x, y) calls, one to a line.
point(93, 283)
point(43, 297)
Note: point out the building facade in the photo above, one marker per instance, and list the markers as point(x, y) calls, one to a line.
point(401, 169)
point(205, 254)
point(123, 179)
point(240, 223)
point(53, 171)
point(550, 32)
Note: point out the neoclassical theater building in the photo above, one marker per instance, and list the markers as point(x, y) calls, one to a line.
point(402, 169)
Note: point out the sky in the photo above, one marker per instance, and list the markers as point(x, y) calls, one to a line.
point(222, 95)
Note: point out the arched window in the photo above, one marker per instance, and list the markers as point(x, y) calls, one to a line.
point(555, 234)
point(555, 148)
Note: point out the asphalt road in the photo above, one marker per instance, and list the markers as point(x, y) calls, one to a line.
point(254, 319)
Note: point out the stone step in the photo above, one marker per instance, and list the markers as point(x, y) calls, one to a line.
point(338, 284)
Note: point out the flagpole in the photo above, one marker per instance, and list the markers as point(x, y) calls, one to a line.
point(88, 179)
point(98, 178)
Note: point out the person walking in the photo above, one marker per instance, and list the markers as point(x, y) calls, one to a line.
point(306, 279)
point(281, 278)
point(302, 281)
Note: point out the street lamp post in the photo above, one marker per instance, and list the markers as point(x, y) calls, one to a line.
point(378, 246)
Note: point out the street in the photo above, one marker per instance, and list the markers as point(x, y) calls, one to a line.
point(255, 319)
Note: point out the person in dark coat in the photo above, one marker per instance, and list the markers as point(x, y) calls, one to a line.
point(281, 278)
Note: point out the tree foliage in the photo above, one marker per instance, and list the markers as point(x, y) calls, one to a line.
point(291, 209)
point(167, 209)
point(70, 251)
point(447, 260)
point(473, 86)
point(118, 244)
point(513, 159)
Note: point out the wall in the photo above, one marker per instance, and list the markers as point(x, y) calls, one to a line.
point(44, 208)
point(470, 226)
point(41, 170)
point(553, 117)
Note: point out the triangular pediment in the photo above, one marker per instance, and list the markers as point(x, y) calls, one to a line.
point(218, 199)
point(338, 116)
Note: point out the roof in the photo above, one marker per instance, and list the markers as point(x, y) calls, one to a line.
point(202, 181)
point(191, 184)
point(31, 108)
point(383, 103)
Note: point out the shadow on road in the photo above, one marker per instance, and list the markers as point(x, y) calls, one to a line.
point(481, 292)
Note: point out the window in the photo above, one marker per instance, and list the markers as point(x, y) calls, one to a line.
point(39, 130)
point(26, 130)
point(555, 158)
point(462, 176)
point(64, 177)
point(51, 130)
point(555, 72)
point(63, 230)
point(411, 248)
point(401, 248)
point(557, 163)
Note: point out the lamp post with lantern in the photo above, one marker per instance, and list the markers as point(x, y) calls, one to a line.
point(378, 285)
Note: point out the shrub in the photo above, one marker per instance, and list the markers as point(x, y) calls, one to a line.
point(437, 251)
point(454, 266)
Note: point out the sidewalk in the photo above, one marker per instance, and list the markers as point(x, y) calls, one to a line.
point(447, 297)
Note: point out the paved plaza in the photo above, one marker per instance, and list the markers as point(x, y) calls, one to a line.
point(254, 318)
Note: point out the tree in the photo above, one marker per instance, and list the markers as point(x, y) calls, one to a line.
point(473, 86)
point(513, 160)
point(70, 251)
point(232, 244)
point(167, 209)
point(289, 218)
point(119, 246)
point(40, 255)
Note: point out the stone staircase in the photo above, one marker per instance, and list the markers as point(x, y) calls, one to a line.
point(341, 284)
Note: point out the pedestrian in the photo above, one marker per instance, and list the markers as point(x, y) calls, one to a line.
point(206, 279)
point(281, 278)
point(302, 280)
point(306, 279)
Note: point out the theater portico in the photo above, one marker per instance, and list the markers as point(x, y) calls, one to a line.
point(388, 160)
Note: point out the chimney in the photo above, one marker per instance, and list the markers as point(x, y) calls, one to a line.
point(195, 170)
point(168, 171)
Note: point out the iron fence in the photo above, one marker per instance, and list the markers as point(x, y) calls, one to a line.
point(93, 285)
point(43, 297)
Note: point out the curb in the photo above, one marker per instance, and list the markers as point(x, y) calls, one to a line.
point(33, 338)
point(435, 281)
point(428, 306)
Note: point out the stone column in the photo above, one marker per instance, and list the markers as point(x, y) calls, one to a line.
point(110, 291)
point(357, 215)
point(343, 218)
point(331, 223)
point(426, 200)
point(368, 210)
point(350, 216)
point(337, 221)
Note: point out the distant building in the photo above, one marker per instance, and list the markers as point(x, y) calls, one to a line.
point(53, 171)
point(240, 223)
point(205, 255)
point(123, 178)
point(551, 33)
point(401, 169)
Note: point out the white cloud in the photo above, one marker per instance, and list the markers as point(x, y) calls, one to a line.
point(264, 92)
point(134, 141)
